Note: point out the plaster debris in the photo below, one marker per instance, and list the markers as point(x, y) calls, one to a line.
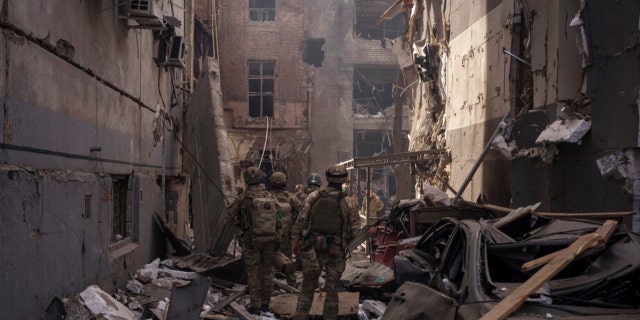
point(436, 195)
point(613, 165)
point(134, 286)
point(506, 148)
point(102, 304)
point(571, 130)
point(374, 306)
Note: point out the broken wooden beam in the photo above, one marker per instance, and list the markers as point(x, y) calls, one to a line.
point(605, 231)
point(230, 298)
point(514, 300)
point(284, 286)
point(583, 215)
point(241, 312)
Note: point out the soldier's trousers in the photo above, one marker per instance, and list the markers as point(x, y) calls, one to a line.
point(333, 263)
point(259, 262)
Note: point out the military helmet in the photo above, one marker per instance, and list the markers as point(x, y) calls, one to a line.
point(252, 175)
point(336, 174)
point(314, 179)
point(278, 179)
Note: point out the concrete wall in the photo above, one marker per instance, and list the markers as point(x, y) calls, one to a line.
point(79, 96)
point(476, 87)
point(478, 83)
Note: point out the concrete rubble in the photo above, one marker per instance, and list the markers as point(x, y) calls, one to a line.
point(570, 130)
point(154, 293)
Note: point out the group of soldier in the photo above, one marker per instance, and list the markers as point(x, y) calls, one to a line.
point(316, 225)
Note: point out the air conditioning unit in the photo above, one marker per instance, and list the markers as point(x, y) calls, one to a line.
point(147, 12)
point(177, 52)
point(146, 8)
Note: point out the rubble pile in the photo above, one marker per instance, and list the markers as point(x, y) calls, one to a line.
point(196, 286)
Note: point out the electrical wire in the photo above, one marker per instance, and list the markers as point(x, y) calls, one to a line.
point(265, 144)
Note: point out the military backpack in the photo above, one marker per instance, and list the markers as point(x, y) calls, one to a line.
point(326, 213)
point(263, 211)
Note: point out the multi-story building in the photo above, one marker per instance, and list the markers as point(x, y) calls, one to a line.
point(307, 84)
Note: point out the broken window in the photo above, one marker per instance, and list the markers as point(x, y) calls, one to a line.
point(373, 90)
point(261, 88)
point(121, 219)
point(262, 10)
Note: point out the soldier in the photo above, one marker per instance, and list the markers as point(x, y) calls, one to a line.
point(375, 205)
point(290, 206)
point(322, 232)
point(258, 230)
point(314, 181)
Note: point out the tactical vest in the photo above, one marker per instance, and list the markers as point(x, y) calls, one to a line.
point(264, 217)
point(326, 213)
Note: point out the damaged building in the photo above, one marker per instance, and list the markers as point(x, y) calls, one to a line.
point(106, 132)
point(127, 123)
point(307, 84)
point(551, 87)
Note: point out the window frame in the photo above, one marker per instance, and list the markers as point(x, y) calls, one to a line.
point(265, 105)
point(121, 215)
point(260, 14)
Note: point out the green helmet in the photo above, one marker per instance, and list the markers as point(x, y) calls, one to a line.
point(252, 175)
point(314, 179)
point(278, 179)
point(336, 174)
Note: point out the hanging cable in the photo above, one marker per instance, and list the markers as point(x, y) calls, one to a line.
point(265, 144)
point(270, 148)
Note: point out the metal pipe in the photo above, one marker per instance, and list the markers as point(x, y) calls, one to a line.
point(516, 57)
point(477, 164)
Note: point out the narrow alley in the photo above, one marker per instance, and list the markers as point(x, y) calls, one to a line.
point(320, 159)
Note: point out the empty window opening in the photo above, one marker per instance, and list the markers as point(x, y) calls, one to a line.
point(262, 10)
point(369, 12)
point(261, 88)
point(373, 90)
point(314, 54)
point(121, 220)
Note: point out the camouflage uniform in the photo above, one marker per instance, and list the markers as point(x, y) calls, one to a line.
point(258, 257)
point(287, 225)
point(333, 261)
point(306, 191)
point(375, 205)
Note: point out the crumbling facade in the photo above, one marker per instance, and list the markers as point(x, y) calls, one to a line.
point(304, 85)
point(566, 76)
point(93, 94)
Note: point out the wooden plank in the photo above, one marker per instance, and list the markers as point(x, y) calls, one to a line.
point(494, 207)
point(241, 312)
point(215, 316)
point(230, 298)
point(557, 264)
point(583, 215)
point(605, 231)
point(518, 296)
point(564, 215)
point(285, 305)
point(286, 287)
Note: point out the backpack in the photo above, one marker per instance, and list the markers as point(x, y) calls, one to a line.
point(326, 213)
point(285, 207)
point(264, 217)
